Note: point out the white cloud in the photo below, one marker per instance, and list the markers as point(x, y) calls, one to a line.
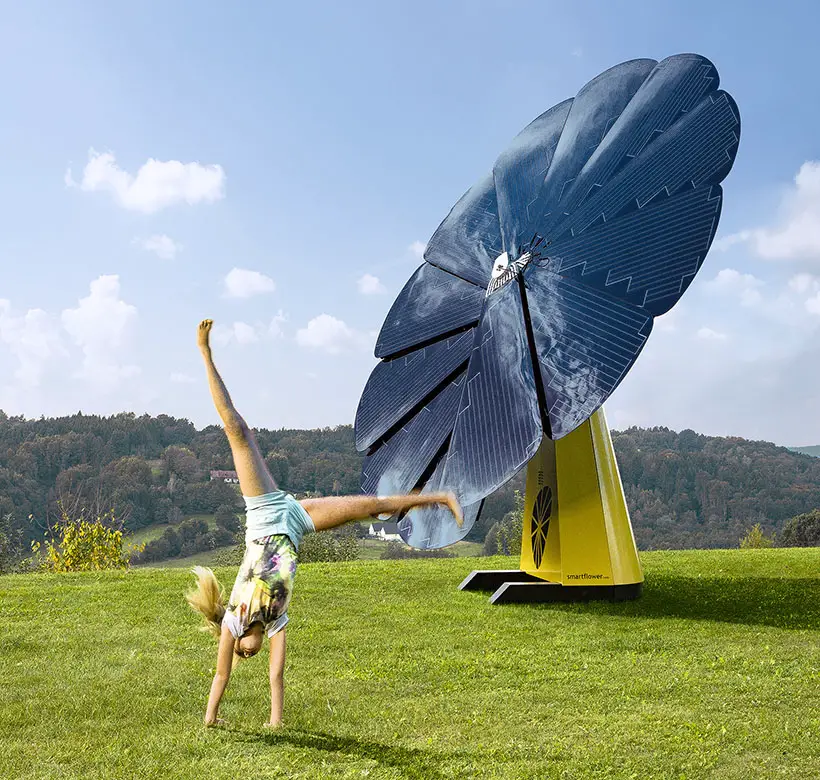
point(797, 234)
point(33, 338)
point(370, 285)
point(181, 379)
point(157, 184)
point(727, 362)
point(330, 335)
point(100, 326)
point(243, 333)
point(808, 287)
point(239, 332)
point(745, 286)
point(670, 321)
point(241, 283)
point(577, 51)
point(275, 328)
point(711, 335)
point(802, 283)
point(760, 388)
point(162, 246)
point(417, 248)
point(722, 244)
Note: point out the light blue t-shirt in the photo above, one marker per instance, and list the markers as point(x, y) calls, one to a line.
point(276, 513)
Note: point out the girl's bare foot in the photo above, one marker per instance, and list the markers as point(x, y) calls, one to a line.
point(451, 502)
point(455, 508)
point(203, 335)
point(212, 723)
point(271, 725)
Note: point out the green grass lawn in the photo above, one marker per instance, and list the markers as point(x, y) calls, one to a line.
point(394, 673)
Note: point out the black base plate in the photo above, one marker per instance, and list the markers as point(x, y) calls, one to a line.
point(493, 579)
point(513, 586)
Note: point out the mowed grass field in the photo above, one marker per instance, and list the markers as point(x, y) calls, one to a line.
point(394, 673)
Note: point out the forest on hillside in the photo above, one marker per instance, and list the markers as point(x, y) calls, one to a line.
point(684, 490)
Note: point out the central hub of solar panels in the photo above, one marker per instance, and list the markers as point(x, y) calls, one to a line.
point(505, 271)
point(495, 357)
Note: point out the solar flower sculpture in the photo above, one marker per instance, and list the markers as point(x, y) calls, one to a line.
point(537, 293)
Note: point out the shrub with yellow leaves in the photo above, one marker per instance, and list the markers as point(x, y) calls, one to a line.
point(84, 544)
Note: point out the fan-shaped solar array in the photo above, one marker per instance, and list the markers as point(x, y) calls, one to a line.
point(539, 289)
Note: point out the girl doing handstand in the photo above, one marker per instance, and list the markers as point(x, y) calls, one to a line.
point(275, 524)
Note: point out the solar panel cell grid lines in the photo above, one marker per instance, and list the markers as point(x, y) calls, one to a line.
point(432, 304)
point(397, 463)
point(397, 386)
point(600, 214)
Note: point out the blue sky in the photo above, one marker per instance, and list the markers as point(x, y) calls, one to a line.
point(305, 152)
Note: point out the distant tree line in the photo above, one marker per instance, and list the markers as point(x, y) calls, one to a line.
point(192, 536)
point(684, 490)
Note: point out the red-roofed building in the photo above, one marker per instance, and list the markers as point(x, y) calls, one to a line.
point(225, 476)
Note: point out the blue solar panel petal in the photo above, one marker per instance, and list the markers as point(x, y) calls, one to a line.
point(593, 112)
point(647, 257)
point(498, 427)
point(396, 387)
point(469, 239)
point(674, 87)
point(585, 340)
point(434, 526)
point(519, 174)
point(432, 303)
point(397, 465)
point(697, 150)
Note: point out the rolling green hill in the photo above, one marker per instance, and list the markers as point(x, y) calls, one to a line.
point(151, 532)
point(684, 490)
point(393, 673)
point(813, 450)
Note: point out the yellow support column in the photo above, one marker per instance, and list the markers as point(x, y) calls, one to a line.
point(576, 523)
point(577, 540)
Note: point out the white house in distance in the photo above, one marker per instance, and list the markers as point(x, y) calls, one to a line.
point(387, 532)
point(225, 476)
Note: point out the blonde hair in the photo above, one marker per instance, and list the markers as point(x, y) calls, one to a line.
point(208, 599)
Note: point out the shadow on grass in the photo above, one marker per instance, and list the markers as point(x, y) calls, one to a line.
point(411, 762)
point(765, 601)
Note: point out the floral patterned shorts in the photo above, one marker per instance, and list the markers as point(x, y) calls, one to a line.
point(263, 586)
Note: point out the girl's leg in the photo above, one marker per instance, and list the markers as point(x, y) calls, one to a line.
point(337, 510)
point(254, 477)
point(277, 678)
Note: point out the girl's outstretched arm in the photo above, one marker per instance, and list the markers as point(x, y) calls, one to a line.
point(224, 662)
point(337, 510)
